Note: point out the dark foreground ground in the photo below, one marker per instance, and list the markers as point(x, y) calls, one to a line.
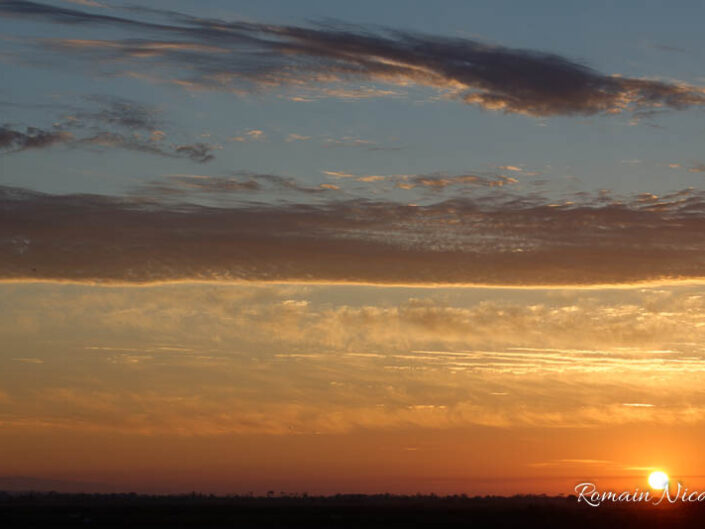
point(76, 510)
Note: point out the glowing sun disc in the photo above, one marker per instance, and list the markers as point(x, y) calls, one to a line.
point(658, 480)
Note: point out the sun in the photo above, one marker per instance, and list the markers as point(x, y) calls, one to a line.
point(658, 480)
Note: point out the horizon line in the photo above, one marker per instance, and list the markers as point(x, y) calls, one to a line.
point(119, 283)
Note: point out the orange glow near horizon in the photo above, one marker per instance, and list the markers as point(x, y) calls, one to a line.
point(276, 248)
point(328, 389)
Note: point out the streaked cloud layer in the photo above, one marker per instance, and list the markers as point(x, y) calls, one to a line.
point(497, 239)
point(301, 359)
point(239, 56)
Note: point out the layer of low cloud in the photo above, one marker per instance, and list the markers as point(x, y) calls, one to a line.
point(239, 56)
point(500, 239)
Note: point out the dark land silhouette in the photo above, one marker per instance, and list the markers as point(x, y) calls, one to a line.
point(38, 510)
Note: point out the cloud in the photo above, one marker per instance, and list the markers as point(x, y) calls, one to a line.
point(198, 152)
point(12, 140)
point(286, 183)
point(87, 3)
point(439, 181)
point(338, 174)
point(698, 167)
point(350, 141)
point(239, 56)
point(256, 134)
point(296, 137)
point(397, 358)
point(500, 239)
point(185, 184)
point(120, 112)
point(250, 135)
point(116, 124)
point(37, 361)
point(371, 178)
point(313, 93)
point(666, 47)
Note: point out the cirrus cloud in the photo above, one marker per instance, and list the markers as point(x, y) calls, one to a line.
point(238, 56)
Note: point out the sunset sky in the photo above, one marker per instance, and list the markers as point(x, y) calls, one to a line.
point(313, 246)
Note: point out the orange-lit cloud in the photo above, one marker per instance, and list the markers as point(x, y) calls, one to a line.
point(302, 359)
point(316, 61)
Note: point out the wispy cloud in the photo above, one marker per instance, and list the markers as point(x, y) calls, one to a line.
point(439, 180)
point(338, 174)
point(12, 140)
point(693, 167)
point(240, 56)
point(351, 141)
point(119, 112)
point(287, 183)
point(184, 185)
point(116, 124)
point(86, 3)
point(297, 137)
point(250, 135)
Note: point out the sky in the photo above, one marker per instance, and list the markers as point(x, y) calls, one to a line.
point(450, 247)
